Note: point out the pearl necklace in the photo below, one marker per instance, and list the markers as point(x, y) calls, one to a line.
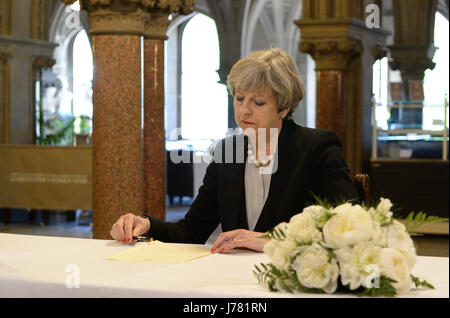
point(258, 164)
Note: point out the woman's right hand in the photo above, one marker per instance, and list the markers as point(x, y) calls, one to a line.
point(129, 225)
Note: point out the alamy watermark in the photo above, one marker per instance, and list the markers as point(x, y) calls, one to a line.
point(373, 19)
point(73, 278)
point(233, 149)
point(73, 18)
point(373, 279)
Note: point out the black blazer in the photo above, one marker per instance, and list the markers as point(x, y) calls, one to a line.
point(309, 161)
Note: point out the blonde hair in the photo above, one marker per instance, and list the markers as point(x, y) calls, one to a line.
point(271, 68)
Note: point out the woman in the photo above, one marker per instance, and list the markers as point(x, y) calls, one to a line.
point(264, 176)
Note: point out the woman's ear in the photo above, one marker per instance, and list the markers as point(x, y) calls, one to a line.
point(284, 112)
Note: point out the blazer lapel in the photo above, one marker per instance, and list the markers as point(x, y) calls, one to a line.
point(236, 213)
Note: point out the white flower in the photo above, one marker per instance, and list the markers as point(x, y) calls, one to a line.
point(359, 266)
point(382, 213)
point(341, 208)
point(384, 207)
point(279, 252)
point(281, 284)
point(302, 228)
point(394, 265)
point(315, 270)
point(396, 236)
point(318, 213)
point(349, 227)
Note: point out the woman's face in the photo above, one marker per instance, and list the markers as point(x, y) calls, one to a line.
point(257, 109)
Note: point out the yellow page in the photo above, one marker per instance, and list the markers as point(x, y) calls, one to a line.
point(160, 252)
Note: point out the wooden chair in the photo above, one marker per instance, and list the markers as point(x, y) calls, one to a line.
point(362, 183)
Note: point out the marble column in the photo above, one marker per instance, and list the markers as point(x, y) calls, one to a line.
point(117, 143)
point(154, 134)
point(116, 29)
point(344, 50)
point(333, 111)
point(331, 100)
point(119, 150)
point(154, 131)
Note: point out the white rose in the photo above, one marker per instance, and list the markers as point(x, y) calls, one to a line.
point(349, 227)
point(341, 208)
point(302, 227)
point(393, 264)
point(315, 270)
point(359, 265)
point(279, 252)
point(318, 213)
point(396, 236)
point(270, 247)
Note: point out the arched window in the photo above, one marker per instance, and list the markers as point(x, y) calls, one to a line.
point(380, 90)
point(204, 113)
point(436, 84)
point(82, 83)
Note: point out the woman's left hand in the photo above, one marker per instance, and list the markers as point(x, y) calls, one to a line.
point(239, 238)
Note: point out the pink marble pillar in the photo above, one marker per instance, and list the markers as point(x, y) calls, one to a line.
point(154, 136)
point(117, 141)
point(331, 102)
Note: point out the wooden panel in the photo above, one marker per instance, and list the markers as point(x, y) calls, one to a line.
point(413, 185)
point(45, 177)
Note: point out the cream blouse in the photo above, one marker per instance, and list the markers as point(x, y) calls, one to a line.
point(257, 184)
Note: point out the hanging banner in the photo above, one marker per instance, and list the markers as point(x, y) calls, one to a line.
point(46, 177)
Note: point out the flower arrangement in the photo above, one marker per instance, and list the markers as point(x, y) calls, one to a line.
point(348, 248)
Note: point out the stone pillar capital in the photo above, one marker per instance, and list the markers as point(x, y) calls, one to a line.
point(412, 60)
point(156, 24)
point(331, 54)
point(413, 49)
point(148, 18)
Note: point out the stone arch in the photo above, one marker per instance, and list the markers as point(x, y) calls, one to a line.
point(277, 22)
point(64, 26)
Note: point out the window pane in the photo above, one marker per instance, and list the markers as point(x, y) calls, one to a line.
point(82, 82)
point(204, 113)
point(436, 81)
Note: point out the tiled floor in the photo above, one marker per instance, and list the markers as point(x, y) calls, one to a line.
point(427, 245)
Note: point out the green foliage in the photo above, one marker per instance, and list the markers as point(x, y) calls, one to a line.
point(63, 128)
point(85, 124)
point(421, 284)
point(412, 222)
point(277, 279)
point(385, 288)
point(275, 234)
point(322, 202)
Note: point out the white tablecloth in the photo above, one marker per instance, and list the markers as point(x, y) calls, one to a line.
point(42, 266)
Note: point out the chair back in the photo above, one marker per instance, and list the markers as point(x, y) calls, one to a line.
point(362, 183)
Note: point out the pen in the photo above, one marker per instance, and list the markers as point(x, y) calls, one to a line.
point(142, 239)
